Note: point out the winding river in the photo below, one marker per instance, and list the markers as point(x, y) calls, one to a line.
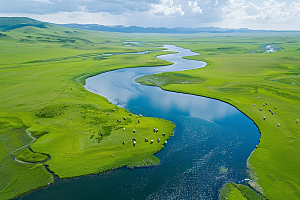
point(210, 146)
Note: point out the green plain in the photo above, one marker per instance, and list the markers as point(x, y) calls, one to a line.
point(237, 76)
point(42, 71)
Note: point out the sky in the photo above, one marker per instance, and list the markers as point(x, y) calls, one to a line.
point(252, 14)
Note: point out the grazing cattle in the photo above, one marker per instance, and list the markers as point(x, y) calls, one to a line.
point(133, 130)
point(158, 139)
point(139, 121)
point(137, 116)
point(123, 129)
point(101, 134)
point(270, 110)
point(123, 142)
point(124, 118)
point(114, 109)
point(272, 113)
point(258, 97)
point(253, 104)
point(278, 124)
point(130, 114)
point(107, 113)
point(140, 115)
point(134, 143)
point(263, 104)
point(146, 140)
point(297, 120)
point(153, 129)
point(133, 140)
point(260, 109)
point(266, 103)
point(156, 130)
point(166, 142)
point(151, 141)
point(275, 107)
point(264, 118)
point(164, 134)
point(256, 146)
point(118, 120)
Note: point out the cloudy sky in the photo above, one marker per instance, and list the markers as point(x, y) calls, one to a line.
point(253, 14)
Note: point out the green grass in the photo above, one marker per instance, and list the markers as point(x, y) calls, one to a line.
point(75, 130)
point(43, 68)
point(17, 178)
point(229, 191)
point(236, 191)
point(42, 72)
point(238, 77)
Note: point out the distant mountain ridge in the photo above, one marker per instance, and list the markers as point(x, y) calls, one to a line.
point(137, 29)
point(10, 23)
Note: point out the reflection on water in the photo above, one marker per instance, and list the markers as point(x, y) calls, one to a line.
point(211, 143)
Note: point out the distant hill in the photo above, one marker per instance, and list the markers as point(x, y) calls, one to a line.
point(137, 29)
point(10, 23)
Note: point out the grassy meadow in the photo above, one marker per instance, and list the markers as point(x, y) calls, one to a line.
point(240, 73)
point(42, 71)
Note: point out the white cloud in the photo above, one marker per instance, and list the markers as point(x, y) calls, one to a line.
point(80, 17)
point(270, 11)
point(217, 3)
point(195, 7)
point(166, 8)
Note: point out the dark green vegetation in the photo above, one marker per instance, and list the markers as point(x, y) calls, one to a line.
point(42, 70)
point(239, 192)
point(238, 77)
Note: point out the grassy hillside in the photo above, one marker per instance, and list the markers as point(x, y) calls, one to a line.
point(42, 97)
point(238, 76)
point(10, 23)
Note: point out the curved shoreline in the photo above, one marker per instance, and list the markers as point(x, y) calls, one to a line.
point(205, 64)
point(254, 184)
point(87, 76)
point(248, 164)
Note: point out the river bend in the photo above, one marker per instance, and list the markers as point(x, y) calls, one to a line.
point(210, 146)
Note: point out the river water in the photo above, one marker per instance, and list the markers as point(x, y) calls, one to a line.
point(210, 146)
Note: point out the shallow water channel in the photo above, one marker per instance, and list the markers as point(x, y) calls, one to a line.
point(210, 146)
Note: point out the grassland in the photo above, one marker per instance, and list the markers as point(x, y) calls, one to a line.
point(42, 71)
point(43, 68)
point(238, 191)
point(236, 76)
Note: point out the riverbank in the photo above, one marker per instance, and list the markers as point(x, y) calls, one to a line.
point(198, 160)
point(244, 79)
point(71, 125)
